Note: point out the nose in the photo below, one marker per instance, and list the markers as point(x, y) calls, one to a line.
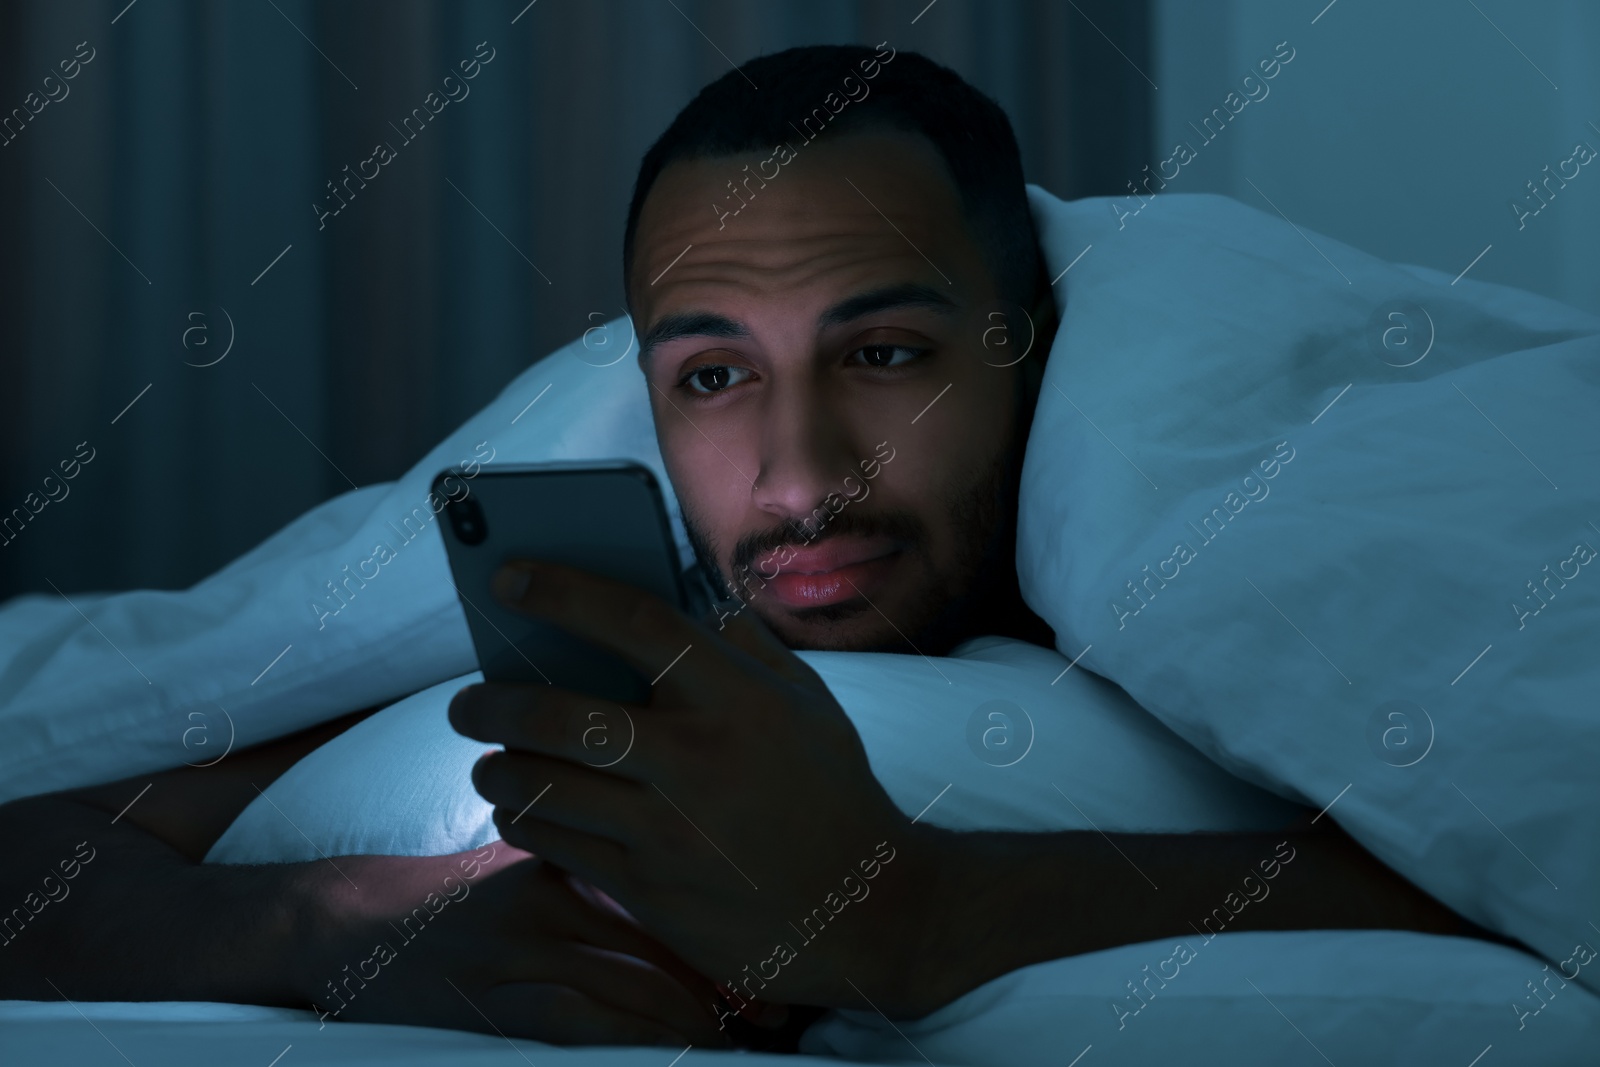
point(806, 452)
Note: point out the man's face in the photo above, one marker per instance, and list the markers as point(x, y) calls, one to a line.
point(830, 389)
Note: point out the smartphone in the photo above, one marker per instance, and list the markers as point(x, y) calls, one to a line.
point(605, 517)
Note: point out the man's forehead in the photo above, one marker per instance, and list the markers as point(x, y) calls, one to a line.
point(703, 323)
point(863, 215)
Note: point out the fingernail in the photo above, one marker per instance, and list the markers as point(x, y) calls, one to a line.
point(510, 583)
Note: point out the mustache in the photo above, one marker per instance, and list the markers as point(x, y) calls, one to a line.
point(901, 526)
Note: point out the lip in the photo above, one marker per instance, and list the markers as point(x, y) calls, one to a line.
point(833, 572)
point(830, 555)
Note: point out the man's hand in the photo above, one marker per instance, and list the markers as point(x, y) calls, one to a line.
point(495, 940)
point(743, 828)
point(484, 940)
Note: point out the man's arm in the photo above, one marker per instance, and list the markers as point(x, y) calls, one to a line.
point(103, 903)
point(975, 905)
point(109, 901)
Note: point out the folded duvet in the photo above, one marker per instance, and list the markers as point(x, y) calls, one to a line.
point(1335, 522)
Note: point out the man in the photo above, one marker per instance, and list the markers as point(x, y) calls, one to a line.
point(833, 277)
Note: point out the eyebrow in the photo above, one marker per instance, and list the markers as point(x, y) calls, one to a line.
point(887, 298)
point(689, 324)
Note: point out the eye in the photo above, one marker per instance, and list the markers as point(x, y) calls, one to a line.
point(713, 378)
point(888, 355)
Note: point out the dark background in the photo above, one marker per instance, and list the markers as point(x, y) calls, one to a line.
point(188, 152)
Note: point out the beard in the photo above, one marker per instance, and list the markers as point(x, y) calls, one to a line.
point(946, 608)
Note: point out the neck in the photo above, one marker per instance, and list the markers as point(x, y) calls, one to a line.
point(1010, 616)
point(1001, 611)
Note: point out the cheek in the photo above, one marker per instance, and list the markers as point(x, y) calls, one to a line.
point(928, 477)
point(948, 466)
point(961, 435)
point(705, 472)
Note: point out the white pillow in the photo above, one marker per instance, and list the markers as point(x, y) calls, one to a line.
point(1351, 636)
point(1067, 751)
point(147, 680)
point(995, 737)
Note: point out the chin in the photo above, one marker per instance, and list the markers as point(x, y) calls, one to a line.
point(853, 627)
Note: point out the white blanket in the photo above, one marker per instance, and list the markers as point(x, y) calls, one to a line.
point(1200, 350)
point(1369, 998)
point(1058, 751)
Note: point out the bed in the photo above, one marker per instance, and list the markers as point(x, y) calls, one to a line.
point(1308, 537)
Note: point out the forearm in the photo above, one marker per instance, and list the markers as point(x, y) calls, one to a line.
point(137, 920)
point(1000, 901)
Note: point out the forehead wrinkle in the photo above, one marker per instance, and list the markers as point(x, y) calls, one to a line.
point(770, 243)
point(901, 171)
point(778, 245)
point(766, 268)
point(893, 297)
point(877, 275)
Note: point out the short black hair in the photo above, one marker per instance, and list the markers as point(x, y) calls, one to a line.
point(908, 91)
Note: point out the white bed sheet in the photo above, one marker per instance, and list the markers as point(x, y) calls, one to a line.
point(1268, 999)
point(185, 1033)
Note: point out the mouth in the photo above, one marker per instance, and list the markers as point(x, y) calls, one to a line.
point(833, 572)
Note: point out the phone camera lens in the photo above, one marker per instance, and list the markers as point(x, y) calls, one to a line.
point(466, 519)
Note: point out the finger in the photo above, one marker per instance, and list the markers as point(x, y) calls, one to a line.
point(640, 988)
point(556, 906)
point(596, 859)
point(525, 785)
point(593, 917)
point(560, 1015)
point(654, 637)
point(578, 911)
point(555, 722)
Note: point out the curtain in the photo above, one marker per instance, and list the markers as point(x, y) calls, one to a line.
point(220, 304)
